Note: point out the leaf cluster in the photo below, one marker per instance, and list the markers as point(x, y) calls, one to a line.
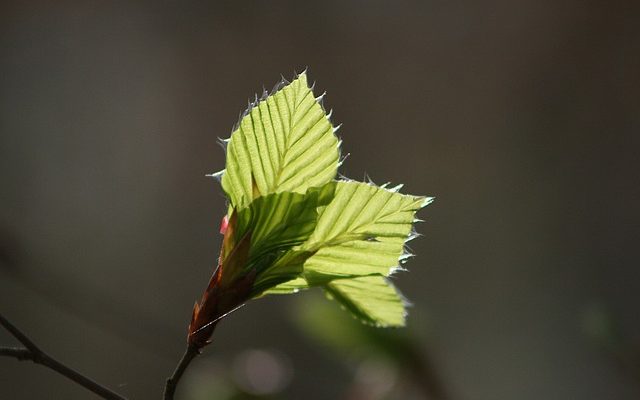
point(292, 225)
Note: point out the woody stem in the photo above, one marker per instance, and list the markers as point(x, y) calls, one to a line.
point(172, 383)
point(32, 352)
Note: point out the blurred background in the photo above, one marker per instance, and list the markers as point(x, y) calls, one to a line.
point(521, 117)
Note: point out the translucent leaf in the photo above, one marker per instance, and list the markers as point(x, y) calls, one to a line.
point(358, 241)
point(277, 223)
point(283, 143)
point(289, 287)
point(361, 232)
point(372, 299)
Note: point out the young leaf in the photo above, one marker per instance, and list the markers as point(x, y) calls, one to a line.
point(278, 223)
point(361, 232)
point(284, 143)
point(359, 240)
point(290, 226)
point(372, 299)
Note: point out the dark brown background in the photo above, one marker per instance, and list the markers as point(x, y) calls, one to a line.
point(521, 117)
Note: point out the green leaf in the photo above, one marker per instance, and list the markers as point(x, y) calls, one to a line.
point(358, 241)
point(292, 286)
point(361, 232)
point(277, 223)
point(371, 299)
point(284, 143)
point(298, 226)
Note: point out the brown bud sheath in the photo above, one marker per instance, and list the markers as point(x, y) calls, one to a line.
point(228, 288)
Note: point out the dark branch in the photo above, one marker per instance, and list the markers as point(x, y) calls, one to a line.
point(16, 352)
point(33, 353)
point(172, 383)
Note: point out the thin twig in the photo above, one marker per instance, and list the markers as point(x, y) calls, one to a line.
point(172, 382)
point(33, 353)
point(16, 352)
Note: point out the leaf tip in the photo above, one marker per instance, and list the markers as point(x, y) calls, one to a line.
point(216, 175)
point(412, 235)
point(303, 73)
point(224, 143)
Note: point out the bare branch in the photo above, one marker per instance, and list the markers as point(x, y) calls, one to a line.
point(172, 383)
point(33, 353)
point(15, 352)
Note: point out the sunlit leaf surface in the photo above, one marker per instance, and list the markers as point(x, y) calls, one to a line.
point(304, 228)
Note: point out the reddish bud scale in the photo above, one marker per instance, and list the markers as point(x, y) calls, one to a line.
point(224, 225)
point(228, 288)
